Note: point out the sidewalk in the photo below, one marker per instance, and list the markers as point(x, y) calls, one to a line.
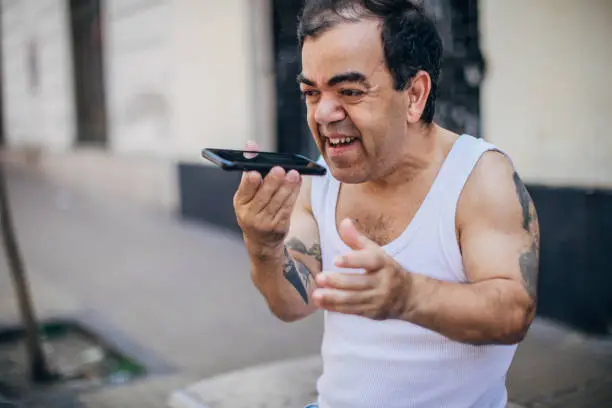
point(177, 296)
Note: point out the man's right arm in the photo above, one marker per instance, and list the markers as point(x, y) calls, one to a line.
point(286, 278)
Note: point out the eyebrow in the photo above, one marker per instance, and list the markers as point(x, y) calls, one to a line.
point(352, 76)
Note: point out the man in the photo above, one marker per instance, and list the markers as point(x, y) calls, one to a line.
point(420, 245)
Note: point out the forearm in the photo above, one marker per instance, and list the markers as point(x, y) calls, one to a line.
point(285, 283)
point(496, 311)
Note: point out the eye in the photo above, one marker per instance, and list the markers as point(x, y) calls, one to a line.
point(352, 93)
point(310, 94)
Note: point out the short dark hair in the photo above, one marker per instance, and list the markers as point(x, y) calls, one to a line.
point(410, 39)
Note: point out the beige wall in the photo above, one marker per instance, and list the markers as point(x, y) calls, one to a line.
point(43, 115)
point(547, 98)
point(138, 76)
point(222, 85)
point(180, 75)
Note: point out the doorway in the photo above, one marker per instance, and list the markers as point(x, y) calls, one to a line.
point(87, 51)
point(293, 135)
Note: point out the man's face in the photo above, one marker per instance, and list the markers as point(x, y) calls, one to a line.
point(357, 119)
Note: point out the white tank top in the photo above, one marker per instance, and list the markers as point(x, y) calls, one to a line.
point(396, 364)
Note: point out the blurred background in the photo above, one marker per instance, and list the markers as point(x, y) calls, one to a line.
point(128, 236)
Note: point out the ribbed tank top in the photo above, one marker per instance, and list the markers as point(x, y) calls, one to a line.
point(397, 364)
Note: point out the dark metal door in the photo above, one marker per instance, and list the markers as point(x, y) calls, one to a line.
point(293, 134)
point(458, 103)
point(86, 30)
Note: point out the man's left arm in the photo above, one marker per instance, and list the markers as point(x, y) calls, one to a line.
point(499, 239)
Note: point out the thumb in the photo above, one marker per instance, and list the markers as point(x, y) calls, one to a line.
point(353, 238)
point(251, 146)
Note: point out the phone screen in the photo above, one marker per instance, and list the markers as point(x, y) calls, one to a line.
point(263, 158)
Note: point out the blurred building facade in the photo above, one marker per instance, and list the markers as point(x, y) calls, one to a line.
point(120, 96)
point(116, 93)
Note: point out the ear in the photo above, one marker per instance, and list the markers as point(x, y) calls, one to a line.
point(417, 94)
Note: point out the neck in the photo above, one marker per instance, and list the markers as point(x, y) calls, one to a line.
point(411, 158)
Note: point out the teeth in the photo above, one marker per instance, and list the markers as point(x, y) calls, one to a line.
point(341, 140)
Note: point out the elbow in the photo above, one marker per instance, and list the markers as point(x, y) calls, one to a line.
point(502, 336)
point(505, 330)
point(285, 315)
point(288, 318)
point(518, 324)
point(512, 337)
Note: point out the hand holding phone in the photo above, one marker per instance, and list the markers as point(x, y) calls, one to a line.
point(264, 205)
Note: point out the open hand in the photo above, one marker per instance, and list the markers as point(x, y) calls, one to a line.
point(379, 293)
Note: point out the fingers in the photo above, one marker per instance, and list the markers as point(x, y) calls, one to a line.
point(347, 302)
point(336, 299)
point(264, 207)
point(284, 213)
point(271, 184)
point(344, 293)
point(366, 253)
point(368, 259)
point(288, 187)
point(346, 281)
point(353, 238)
point(249, 185)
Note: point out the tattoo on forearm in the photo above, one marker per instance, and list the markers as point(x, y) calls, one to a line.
point(529, 259)
point(297, 274)
point(298, 246)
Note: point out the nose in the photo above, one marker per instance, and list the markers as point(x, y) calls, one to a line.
point(329, 110)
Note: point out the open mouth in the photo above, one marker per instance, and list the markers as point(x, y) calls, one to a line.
point(340, 141)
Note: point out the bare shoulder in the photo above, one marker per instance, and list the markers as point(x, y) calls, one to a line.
point(494, 193)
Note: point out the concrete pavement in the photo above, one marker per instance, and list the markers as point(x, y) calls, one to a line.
point(177, 297)
point(174, 295)
point(180, 292)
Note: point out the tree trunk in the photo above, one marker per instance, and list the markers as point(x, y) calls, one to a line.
point(39, 369)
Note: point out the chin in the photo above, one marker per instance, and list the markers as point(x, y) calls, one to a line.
point(348, 175)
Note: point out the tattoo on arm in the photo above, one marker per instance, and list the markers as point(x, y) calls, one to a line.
point(529, 259)
point(298, 246)
point(528, 262)
point(297, 274)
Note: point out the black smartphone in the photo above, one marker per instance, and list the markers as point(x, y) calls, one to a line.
point(263, 162)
